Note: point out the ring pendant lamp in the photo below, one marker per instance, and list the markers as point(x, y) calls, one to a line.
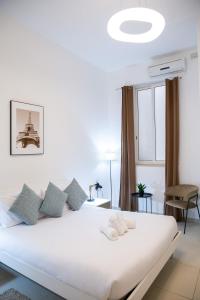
point(140, 14)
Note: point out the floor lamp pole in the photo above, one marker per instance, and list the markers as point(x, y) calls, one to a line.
point(111, 183)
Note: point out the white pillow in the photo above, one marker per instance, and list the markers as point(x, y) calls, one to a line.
point(7, 218)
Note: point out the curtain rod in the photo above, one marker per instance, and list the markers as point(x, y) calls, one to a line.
point(146, 83)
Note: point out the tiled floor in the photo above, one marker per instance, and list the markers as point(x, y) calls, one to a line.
point(179, 280)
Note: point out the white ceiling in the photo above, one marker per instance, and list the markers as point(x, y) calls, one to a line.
point(80, 26)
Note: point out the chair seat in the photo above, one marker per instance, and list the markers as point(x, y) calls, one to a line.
point(180, 204)
point(184, 196)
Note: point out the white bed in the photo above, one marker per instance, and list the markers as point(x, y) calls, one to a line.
point(72, 258)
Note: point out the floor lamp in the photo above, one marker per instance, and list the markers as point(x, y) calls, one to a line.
point(110, 156)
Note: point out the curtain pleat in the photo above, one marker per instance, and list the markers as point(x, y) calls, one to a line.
point(172, 140)
point(128, 168)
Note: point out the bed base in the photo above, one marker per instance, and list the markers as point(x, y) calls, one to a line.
point(70, 293)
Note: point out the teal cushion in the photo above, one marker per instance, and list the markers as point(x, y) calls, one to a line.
point(76, 195)
point(54, 201)
point(26, 206)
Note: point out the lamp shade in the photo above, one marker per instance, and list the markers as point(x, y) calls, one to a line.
point(110, 156)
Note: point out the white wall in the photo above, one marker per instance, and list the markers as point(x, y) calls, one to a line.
point(198, 45)
point(73, 94)
point(189, 119)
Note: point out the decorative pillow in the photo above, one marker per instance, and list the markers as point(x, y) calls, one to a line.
point(7, 218)
point(61, 184)
point(26, 207)
point(76, 195)
point(54, 201)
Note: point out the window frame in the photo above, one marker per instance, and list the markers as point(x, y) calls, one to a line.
point(136, 122)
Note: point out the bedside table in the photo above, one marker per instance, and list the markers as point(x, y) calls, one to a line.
point(100, 202)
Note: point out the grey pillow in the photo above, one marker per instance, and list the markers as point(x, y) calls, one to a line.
point(26, 206)
point(76, 195)
point(54, 201)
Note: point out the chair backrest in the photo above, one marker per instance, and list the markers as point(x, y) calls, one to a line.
point(184, 191)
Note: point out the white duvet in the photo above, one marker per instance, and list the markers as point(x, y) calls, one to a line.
point(73, 250)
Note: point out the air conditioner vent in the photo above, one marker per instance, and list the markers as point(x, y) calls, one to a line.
point(167, 67)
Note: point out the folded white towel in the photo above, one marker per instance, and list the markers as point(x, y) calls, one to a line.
point(129, 223)
point(109, 232)
point(117, 225)
point(122, 222)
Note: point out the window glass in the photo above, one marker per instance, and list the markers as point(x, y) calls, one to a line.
point(146, 125)
point(151, 123)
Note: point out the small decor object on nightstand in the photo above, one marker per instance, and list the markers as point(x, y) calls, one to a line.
point(141, 189)
point(97, 187)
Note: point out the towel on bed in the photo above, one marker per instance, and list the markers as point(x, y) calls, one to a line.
point(117, 224)
point(109, 232)
point(129, 223)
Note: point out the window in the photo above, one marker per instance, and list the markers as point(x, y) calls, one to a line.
point(150, 129)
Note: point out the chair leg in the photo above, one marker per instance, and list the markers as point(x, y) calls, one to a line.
point(165, 208)
point(197, 198)
point(198, 211)
point(186, 220)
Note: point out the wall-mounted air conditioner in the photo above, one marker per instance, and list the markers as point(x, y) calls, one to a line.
point(173, 66)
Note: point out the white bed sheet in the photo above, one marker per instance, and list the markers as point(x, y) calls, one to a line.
point(73, 250)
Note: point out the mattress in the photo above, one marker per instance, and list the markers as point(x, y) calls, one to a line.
point(73, 250)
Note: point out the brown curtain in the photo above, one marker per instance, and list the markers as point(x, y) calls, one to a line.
point(172, 140)
point(128, 169)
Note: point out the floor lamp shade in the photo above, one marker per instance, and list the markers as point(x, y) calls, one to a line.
point(110, 156)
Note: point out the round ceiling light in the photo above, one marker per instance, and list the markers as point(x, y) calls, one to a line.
point(140, 14)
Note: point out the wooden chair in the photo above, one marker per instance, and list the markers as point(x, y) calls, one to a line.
point(184, 197)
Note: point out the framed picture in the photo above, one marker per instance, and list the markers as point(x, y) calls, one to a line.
point(26, 128)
